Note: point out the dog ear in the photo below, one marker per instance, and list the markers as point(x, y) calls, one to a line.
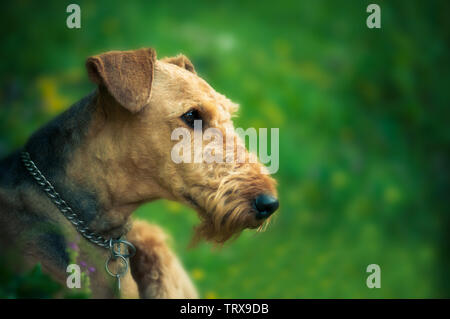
point(127, 75)
point(181, 61)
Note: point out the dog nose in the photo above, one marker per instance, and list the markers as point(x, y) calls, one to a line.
point(265, 205)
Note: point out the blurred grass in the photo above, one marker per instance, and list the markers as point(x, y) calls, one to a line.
point(364, 138)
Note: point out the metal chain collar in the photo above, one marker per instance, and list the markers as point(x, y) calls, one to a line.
point(114, 245)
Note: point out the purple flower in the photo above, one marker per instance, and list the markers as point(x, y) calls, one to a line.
point(83, 263)
point(91, 269)
point(73, 246)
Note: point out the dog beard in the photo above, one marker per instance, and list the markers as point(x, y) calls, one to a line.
point(223, 218)
point(226, 207)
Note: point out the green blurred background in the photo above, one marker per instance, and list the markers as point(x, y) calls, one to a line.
point(363, 117)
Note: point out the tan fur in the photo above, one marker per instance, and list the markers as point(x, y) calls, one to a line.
point(181, 61)
point(157, 271)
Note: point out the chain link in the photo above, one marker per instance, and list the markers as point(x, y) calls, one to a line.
point(114, 245)
point(61, 204)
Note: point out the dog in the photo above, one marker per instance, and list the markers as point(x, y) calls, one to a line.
point(78, 179)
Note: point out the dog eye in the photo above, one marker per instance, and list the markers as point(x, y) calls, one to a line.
point(190, 116)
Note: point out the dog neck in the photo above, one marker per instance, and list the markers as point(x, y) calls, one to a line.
point(83, 153)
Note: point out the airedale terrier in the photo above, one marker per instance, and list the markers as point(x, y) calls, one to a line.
point(76, 182)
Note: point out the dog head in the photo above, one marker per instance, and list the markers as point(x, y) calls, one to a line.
point(176, 140)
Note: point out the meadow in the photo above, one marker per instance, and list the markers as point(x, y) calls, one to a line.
point(363, 130)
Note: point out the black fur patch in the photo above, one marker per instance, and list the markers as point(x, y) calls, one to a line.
point(52, 146)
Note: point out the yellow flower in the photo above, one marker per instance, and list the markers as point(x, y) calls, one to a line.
point(173, 207)
point(52, 100)
point(210, 295)
point(198, 274)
